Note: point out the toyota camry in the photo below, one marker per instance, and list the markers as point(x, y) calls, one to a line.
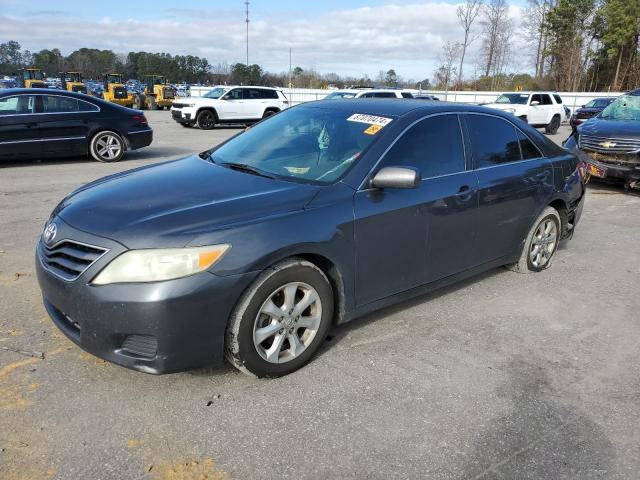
point(326, 211)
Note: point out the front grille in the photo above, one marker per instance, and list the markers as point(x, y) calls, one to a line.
point(120, 93)
point(140, 345)
point(583, 115)
point(623, 160)
point(610, 145)
point(68, 259)
point(176, 114)
point(167, 92)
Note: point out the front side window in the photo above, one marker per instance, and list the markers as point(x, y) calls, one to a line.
point(305, 143)
point(18, 105)
point(406, 95)
point(335, 95)
point(494, 141)
point(433, 146)
point(235, 94)
point(55, 104)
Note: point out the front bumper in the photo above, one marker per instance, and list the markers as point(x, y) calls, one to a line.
point(182, 115)
point(627, 173)
point(155, 328)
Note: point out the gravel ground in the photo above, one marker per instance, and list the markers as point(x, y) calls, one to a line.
point(504, 376)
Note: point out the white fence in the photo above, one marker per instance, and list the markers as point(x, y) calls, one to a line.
point(572, 100)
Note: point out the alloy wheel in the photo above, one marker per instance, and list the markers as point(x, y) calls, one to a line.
point(287, 322)
point(543, 244)
point(108, 146)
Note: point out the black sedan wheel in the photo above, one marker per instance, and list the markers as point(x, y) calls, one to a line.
point(541, 243)
point(281, 320)
point(206, 120)
point(107, 147)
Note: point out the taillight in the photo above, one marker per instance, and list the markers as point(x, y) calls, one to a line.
point(139, 119)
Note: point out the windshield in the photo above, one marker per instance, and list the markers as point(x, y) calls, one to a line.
point(335, 95)
point(519, 98)
point(215, 93)
point(598, 103)
point(626, 107)
point(303, 143)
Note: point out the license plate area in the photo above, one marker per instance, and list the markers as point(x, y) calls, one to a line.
point(596, 171)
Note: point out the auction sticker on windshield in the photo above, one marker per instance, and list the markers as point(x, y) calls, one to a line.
point(369, 119)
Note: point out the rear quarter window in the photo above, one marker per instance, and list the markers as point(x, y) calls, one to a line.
point(558, 99)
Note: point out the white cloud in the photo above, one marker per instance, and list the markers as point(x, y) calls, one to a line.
point(407, 37)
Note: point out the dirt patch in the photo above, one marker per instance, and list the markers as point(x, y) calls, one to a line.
point(187, 469)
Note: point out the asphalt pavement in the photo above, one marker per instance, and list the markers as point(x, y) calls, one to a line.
point(504, 376)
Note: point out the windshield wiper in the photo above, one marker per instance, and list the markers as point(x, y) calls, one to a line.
point(241, 167)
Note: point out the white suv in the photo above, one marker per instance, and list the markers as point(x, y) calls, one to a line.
point(539, 109)
point(369, 93)
point(226, 104)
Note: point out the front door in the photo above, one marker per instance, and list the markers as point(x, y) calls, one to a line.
point(19, 136)
point(407, 237)
point(514, 182)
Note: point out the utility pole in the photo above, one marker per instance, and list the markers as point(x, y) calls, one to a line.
point(246, 3)
point(290, 84)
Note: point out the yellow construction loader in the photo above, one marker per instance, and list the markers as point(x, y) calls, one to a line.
point(158, 94)
point(72, 82)
point(115, 90)
point(31, 78)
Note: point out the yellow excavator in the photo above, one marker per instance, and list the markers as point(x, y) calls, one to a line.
point(31, 78)
point(72, 82)
point(115, 90)
point(158, 94)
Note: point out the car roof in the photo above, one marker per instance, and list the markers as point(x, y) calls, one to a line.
point(397, 107)
point(50, 91)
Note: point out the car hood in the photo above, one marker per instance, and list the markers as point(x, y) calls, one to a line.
point(599, 127)
point(589, 110)
point(196, 100)
point(169, 204)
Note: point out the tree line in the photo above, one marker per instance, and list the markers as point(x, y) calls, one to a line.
point(571, 45)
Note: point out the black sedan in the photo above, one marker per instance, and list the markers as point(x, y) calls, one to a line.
point(42, 123)
point(590, 110)
point(312, 217)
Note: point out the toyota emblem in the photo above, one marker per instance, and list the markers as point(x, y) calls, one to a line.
point(49, 234)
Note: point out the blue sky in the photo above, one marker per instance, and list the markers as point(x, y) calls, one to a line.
point(347, 37)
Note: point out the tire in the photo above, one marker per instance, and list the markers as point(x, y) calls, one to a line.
point(548, 223)
point(275, 355)
point(138, 103)
point(107, 146)
point(268, 113)
point(553, 126)
point(206, 120)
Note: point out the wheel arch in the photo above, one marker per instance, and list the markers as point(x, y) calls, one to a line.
point(561, 207)
point(331, 270)
point(209, 108)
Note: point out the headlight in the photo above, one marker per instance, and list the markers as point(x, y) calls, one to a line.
point(155, 265)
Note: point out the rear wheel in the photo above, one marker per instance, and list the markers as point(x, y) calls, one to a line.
point(553, 126)
point(541, 243)
point(281, 320)
point(206, 120)
point(107, 146)
point(268, 113)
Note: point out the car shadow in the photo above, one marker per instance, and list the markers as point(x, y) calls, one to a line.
point(339, 332)
point(606, 187)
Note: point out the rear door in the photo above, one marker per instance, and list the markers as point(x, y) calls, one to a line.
point(549, 109)
point(19, 136)
point(407, 237)
point(64, 124)
point(256, 102)
point(515, 181)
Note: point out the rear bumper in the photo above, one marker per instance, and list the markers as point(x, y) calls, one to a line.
point(140, 138)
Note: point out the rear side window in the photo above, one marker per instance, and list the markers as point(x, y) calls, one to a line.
point(384, 95)
point(55, 104)
point(558, 98)
point(19, 105)
point(494, 141)
point(546, 99)
point(406, 95)
point(87, 107)
point(529, 150)
point(434, 146)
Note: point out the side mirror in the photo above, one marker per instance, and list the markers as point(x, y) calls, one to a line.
point(535, 102)
point(582, 106)
point(396, 177)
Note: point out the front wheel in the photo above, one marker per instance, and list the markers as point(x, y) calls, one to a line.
point(206, 120)
point(541, 243)
point(107, 146)
point(281, 320)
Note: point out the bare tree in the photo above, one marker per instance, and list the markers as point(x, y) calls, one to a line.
point(467, 14)
point(535, 17)
point(447, 71)
point(495, 17)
